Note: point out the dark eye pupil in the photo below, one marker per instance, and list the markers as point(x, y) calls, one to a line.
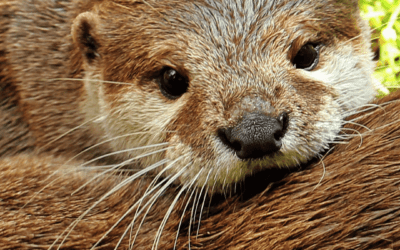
point(173, 84)
point(306, 58)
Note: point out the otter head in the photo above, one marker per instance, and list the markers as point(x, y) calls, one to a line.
point(207, 92)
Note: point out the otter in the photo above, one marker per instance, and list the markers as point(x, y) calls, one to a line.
point(354, 206)
point(195, 94)
point(212, 90)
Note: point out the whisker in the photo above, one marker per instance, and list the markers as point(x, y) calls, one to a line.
point(359, 134)
point(128, 212)
point(47, 185)
point(372, 29)
point(204, 201)
point(89, 80)
point(192, 215)
point(69, 131)
point(164, 221)
point(212, 190)
point(338, 142)
point(138, 202)
point(386, 125)
point(152, 200)
point(118, 166)
point(94, 168)
point(357, 124)
point(380, 105)
point(323, 165)
point(113, 190)
point(106, 141)
point(160, 229)
point(357, 110)
point(183, 214)
point(124, 151)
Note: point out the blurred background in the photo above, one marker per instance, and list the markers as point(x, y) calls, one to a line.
point(383, 17)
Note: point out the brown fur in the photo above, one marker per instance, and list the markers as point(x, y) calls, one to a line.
point(356, 205)
point(57, 59)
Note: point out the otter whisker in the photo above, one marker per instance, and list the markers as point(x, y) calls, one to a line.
point(148, 191)
point(151, 202)
point(196, 205)
point(160, 229)
point(204, 200)
point(361, 137)
point(201, 192)
point(106, 141)
point(386, 125)
point(89, 80)
point(357, 124)
point(337, 142)
point(212, 190)
point(94, 168)
point(69, 131)
point(113, 190)
point(372, 29)
point(137, 203)
point(118, 166)
point(192, 214)
point(361, 109)
point(323, 165)
point(125, 151)
point(380, 105)
point(183, 214)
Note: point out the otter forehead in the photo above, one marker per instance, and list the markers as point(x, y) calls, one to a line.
point(238, 30)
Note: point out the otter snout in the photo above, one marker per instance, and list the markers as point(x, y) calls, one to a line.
point(256, 136)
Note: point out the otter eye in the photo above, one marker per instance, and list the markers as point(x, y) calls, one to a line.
point(172, 84)
point(307, 57)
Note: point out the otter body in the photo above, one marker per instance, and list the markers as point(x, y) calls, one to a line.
point(191, 94)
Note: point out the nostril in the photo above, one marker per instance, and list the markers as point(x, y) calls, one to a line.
point(278, 135)
point(236, 146)
point(225, 135)
point(283, 119)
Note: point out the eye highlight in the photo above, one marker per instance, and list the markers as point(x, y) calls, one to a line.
point(307, 57)
point(172, 84)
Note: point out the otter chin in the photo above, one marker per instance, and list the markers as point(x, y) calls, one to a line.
point(204, 93)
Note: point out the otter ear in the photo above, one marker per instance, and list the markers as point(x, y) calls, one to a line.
point(84, 35)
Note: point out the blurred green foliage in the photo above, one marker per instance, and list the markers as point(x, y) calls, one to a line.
point(383, 16)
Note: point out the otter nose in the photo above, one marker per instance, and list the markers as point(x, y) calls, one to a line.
point(256, 135)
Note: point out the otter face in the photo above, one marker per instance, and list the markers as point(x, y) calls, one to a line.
point(210, 91)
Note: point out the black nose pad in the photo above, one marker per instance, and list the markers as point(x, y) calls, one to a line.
point(256, 136)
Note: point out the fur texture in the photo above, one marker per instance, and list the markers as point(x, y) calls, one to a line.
point(87, 72)
point(90, 143)
point(354, 206)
